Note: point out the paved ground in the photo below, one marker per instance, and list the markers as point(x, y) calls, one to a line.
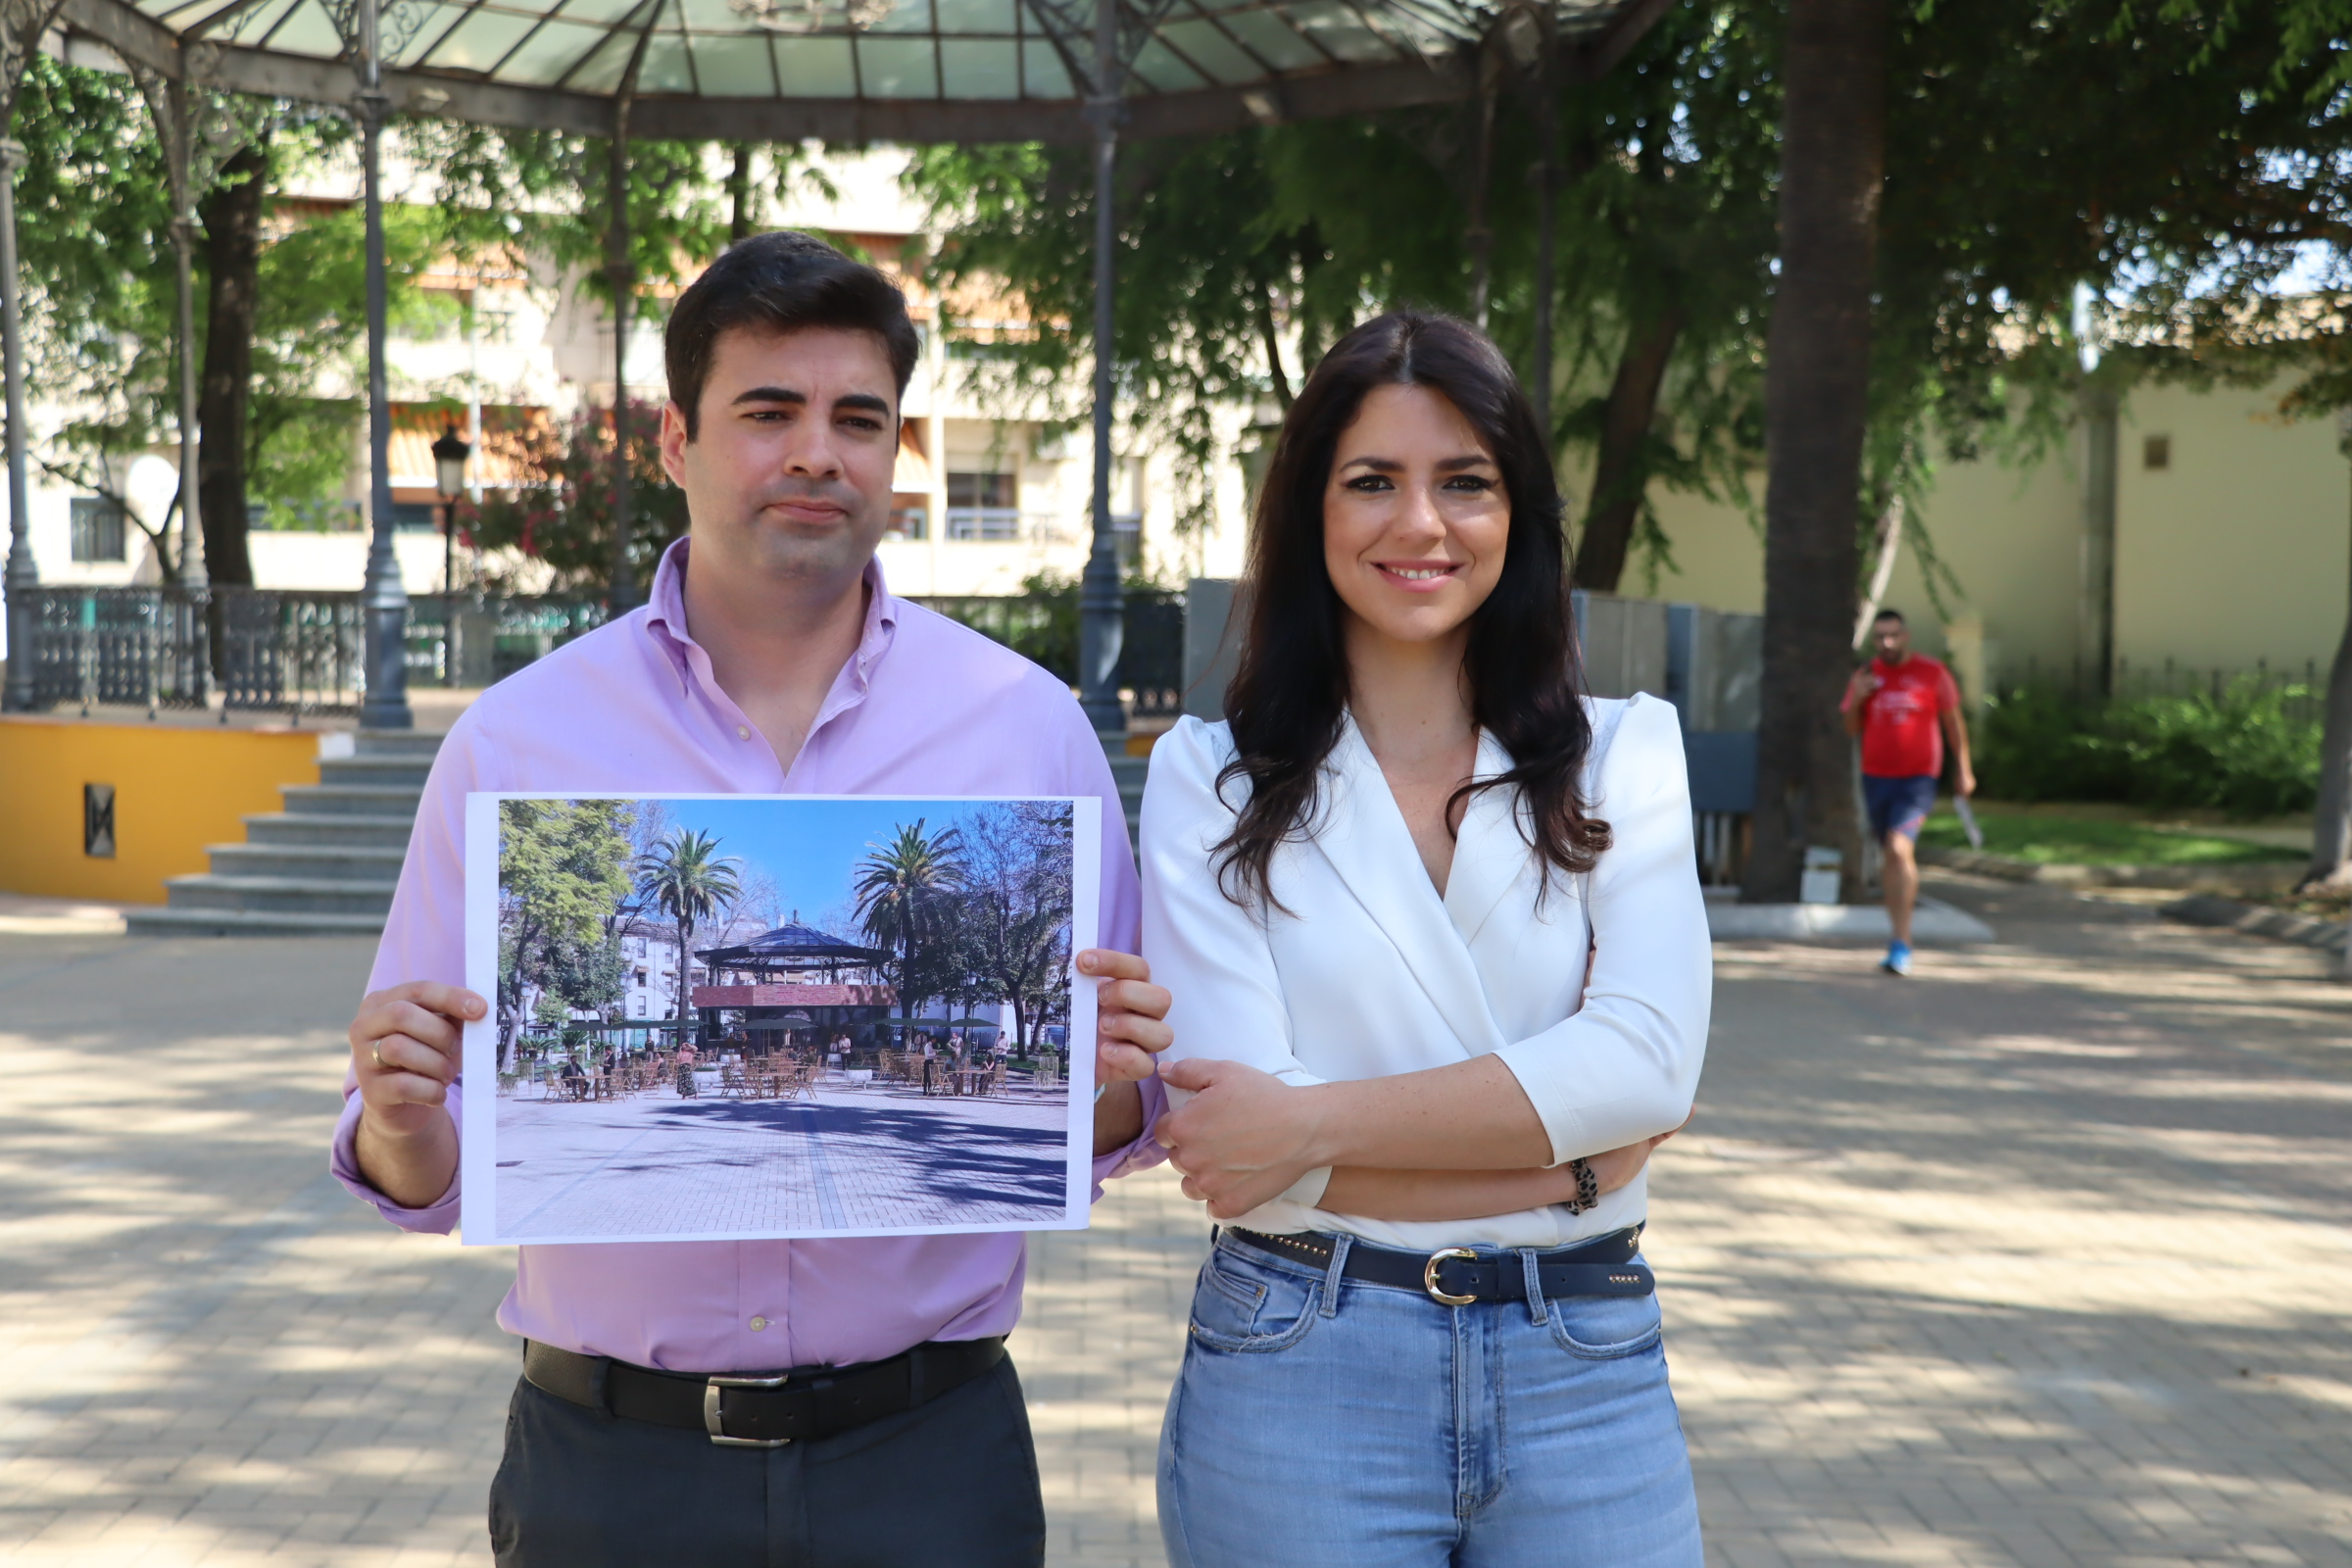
point(657, 1164)
point(2037, 1259)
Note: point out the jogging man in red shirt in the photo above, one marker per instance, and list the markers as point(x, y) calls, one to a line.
point(1902, 705)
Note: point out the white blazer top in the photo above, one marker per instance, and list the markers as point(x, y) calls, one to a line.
point(1371, 972)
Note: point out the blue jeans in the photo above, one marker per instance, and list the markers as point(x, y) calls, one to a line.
point(1363, 1426)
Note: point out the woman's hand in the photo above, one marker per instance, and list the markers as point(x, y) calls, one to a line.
point(1243, 1138)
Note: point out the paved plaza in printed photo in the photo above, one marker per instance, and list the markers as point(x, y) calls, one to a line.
point(849, 1160)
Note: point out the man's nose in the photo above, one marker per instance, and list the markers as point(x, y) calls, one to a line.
point(810, 451)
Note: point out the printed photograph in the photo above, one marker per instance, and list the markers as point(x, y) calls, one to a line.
point(776, 1016)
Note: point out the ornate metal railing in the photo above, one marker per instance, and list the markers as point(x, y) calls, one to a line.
point(306, 653)
point(274, 648)
point(140, 647)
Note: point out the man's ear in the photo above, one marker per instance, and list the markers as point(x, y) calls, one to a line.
point(673, 442)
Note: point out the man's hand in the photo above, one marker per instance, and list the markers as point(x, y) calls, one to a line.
point(1243, 1138)
point(405, 1050)
point(1966, 784)
point(1863, 685)
point(1130, 1030)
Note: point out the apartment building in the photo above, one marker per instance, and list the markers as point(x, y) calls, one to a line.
point(988, 492)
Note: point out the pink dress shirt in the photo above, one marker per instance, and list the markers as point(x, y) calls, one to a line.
point(924, 706)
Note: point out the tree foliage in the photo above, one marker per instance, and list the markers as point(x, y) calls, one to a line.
point(903, 898)
point(687, 879)
point(564, 867)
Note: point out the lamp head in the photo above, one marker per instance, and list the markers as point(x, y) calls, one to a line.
point(448, 462)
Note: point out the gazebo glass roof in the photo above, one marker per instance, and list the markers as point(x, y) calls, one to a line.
point(1013, 68)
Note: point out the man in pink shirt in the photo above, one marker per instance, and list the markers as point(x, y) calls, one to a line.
point(878, 1422)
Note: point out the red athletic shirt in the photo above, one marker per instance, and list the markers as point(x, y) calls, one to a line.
point(1902, 733)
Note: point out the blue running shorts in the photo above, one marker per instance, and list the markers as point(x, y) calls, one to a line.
point(1899, 804)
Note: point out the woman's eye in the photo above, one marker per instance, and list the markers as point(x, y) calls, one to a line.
point(1470, 483)
point(1368, 483)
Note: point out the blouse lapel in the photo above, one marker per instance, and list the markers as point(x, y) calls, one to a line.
point(1366, 842)
point(1491, 855)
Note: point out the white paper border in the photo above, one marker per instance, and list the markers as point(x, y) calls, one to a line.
point(478, 1156)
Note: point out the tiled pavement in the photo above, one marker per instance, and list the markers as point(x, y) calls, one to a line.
point(2040, 1259)
point(657, 1164)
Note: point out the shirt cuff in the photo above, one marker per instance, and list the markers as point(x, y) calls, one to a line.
point(438, 1218)
point(1146, 1151)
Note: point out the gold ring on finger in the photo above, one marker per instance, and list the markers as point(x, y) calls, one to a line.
point(377, 1052)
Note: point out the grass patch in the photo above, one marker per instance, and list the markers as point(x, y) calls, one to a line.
point(2068, 840)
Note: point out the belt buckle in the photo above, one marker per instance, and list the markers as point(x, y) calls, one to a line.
point(715, 1423)
point(1429, 1276)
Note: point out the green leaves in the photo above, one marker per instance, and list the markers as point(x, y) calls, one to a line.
point(563, 869)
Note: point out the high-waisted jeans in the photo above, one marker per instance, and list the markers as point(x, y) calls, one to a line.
point(1327, 1422)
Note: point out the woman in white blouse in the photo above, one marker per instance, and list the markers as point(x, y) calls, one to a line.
point(1432, 920)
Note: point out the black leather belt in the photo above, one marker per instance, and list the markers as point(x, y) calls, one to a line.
point(762, 1409)
point(1455, 1276)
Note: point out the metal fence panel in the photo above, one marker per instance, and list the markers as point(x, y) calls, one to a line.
point(140, 647)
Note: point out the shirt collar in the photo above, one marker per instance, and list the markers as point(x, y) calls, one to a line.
point(666, 621)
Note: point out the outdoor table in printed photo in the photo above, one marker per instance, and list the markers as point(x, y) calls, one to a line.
point(729, 1017)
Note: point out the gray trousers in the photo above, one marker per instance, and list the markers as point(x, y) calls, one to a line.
point(949, 1485)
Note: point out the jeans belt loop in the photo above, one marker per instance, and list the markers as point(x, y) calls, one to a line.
point(1539, 1309)
point(1332, 1274)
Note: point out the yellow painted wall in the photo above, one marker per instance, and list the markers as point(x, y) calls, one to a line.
point(2238, 552)
point(177, 790)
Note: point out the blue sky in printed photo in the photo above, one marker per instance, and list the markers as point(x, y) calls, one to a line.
point(810, 848)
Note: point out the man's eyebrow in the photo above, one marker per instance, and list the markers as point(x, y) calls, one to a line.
point(860, 400)
point(770, 394)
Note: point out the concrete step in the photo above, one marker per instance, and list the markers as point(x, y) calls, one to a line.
point(1129, 772)
point(352, 799)
point(397, 743)
point(330, 829)
point(342, 863)
point(175, 922)
point(280, 895)
point(374, 770)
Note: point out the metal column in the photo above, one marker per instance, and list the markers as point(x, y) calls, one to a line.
point(1101, 620)
point(623, 275)
point(383, 599)
point(23, 578)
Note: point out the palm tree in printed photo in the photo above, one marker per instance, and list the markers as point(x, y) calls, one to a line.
point(902, 890)
point(687, 879)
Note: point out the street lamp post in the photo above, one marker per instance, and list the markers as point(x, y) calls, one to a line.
point(384, 600)
point(1101, 616)
point(449, 479)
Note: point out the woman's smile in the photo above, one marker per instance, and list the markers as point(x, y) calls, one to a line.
point(1418, 577)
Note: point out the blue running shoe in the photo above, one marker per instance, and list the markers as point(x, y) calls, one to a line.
point(1897, 959)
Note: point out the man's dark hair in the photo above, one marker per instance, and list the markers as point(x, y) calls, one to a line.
point(773, 283)
point(1887, 615)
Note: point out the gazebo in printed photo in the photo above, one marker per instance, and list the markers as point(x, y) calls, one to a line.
point(794, 989)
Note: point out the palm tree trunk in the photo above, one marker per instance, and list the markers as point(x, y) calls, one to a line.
point(1817, 389)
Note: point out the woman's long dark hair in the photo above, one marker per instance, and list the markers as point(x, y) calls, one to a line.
point(1289, 692)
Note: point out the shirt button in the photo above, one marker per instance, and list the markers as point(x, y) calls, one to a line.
point(743, 732)
point(758, 1324)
